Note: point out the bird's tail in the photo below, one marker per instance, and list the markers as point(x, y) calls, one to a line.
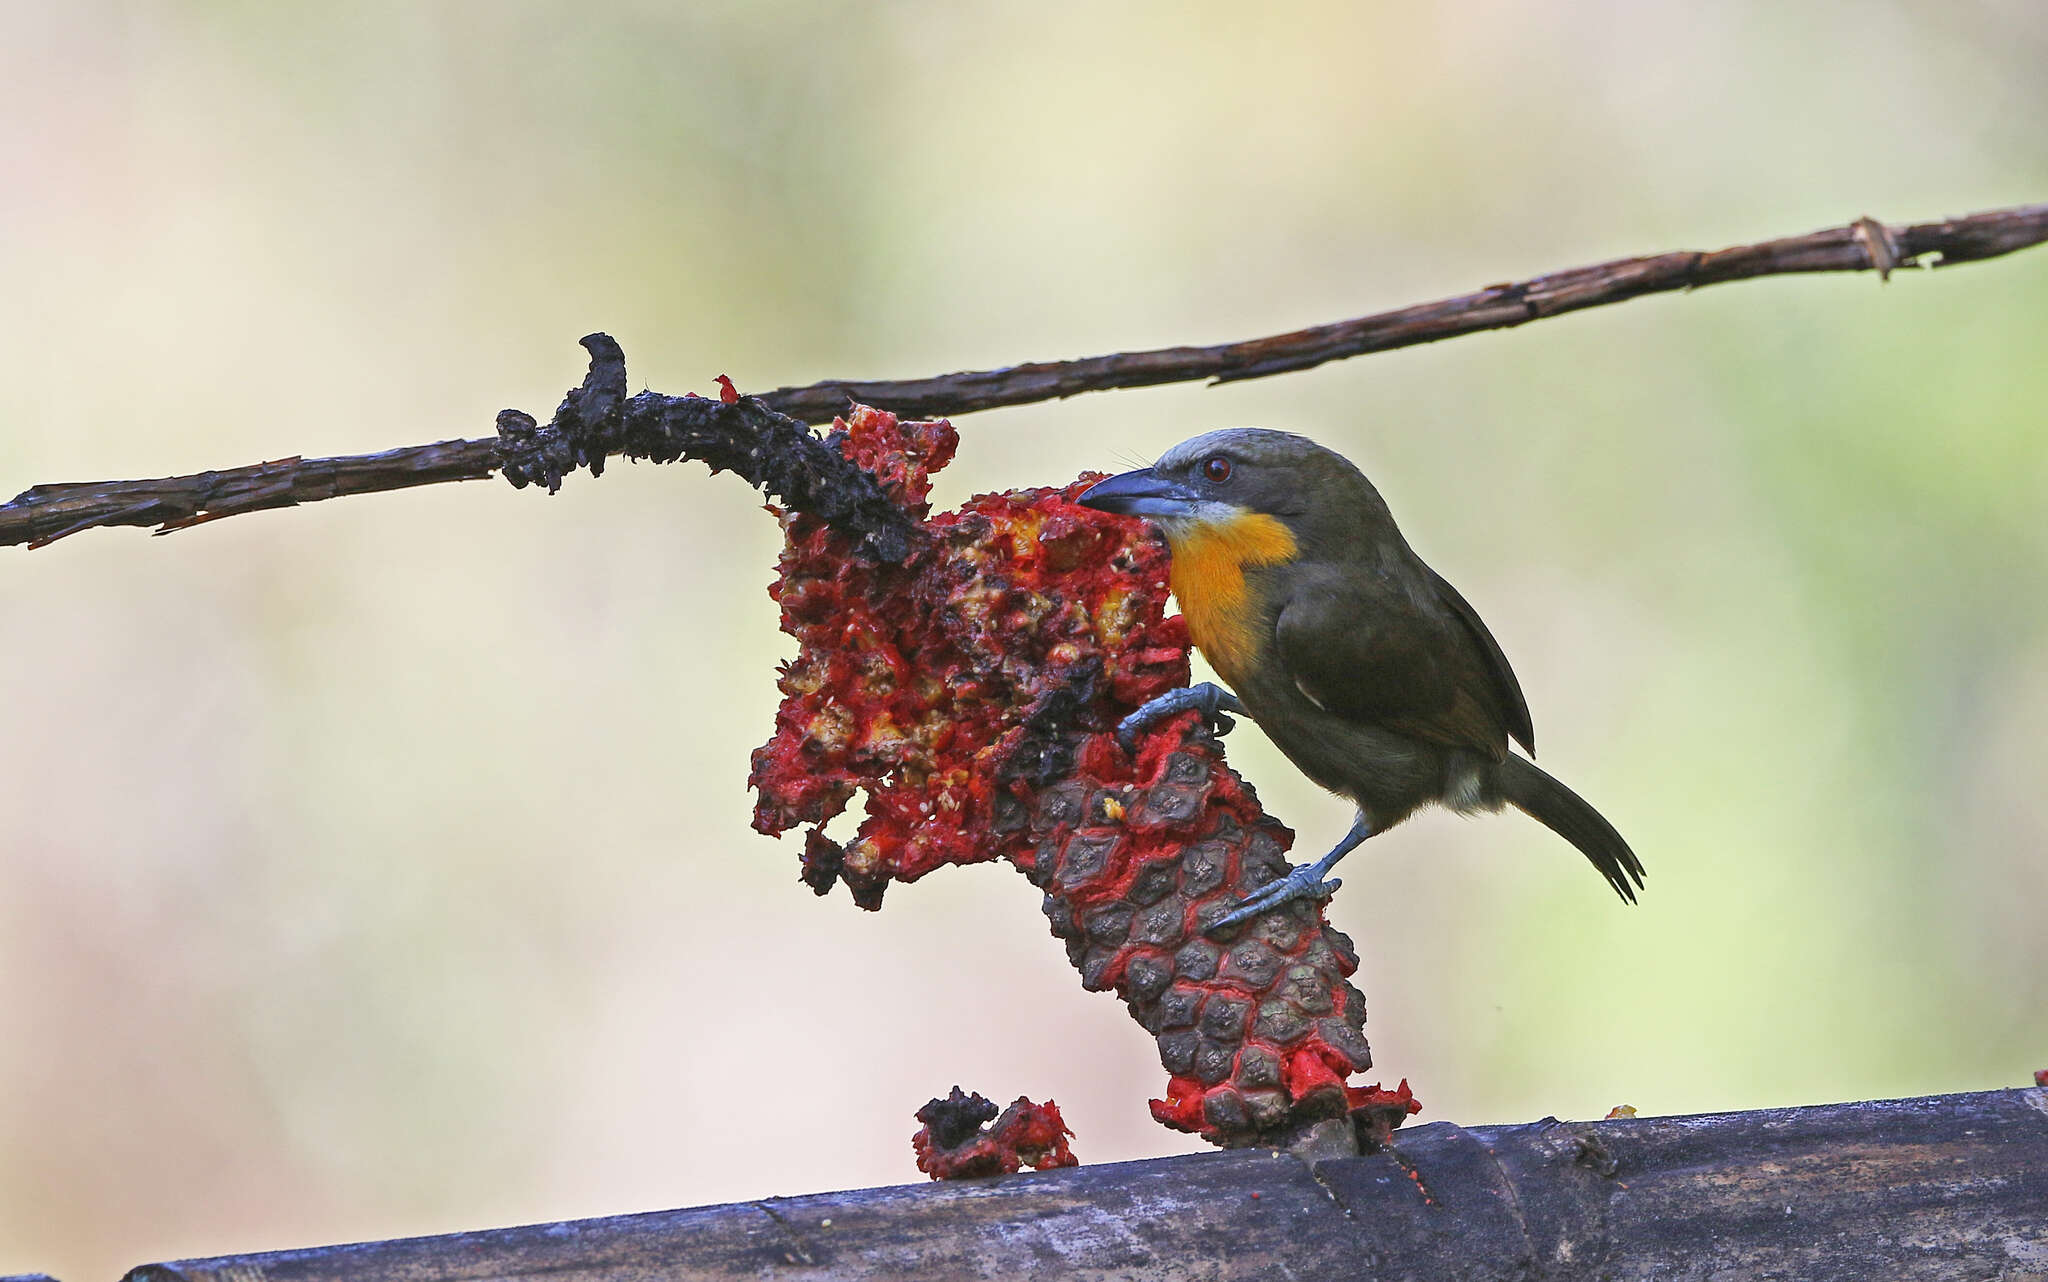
point(1566, 813)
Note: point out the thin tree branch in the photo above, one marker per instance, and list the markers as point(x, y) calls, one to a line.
point(45, 513)
point(1947, 1187)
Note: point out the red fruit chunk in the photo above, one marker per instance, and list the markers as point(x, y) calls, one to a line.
point(954, 1145)
point(970, 694)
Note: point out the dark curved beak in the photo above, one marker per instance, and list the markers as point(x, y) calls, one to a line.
point(1140, 493)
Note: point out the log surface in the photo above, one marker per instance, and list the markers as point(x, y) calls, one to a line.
point(1945, 1187)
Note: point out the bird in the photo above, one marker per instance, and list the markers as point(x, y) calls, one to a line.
point(1362, 665)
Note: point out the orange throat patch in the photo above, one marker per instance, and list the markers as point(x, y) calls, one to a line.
point(1209, 561)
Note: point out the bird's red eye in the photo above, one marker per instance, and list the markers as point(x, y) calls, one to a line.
point(1216, 468)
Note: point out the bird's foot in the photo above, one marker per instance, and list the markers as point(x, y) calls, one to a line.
point(1305, 882)
point(1208, 698)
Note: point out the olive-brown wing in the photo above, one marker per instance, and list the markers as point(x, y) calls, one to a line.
point(1391, 654)
point(1506, 689)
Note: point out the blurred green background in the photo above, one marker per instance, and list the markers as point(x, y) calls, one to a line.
point(383, 867)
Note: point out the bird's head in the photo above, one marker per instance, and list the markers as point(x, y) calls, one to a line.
point(1267, 494)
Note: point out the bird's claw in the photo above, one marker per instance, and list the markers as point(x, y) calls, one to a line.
point(1305, 882)
point(1127, 730)
point(1208, 698)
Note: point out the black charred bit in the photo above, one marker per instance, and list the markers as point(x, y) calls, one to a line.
point(773, 452)
point(957, 1118)
point(1042, 753)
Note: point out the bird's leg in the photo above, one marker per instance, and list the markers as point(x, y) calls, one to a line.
point(1210, 699)
point(1300, 883)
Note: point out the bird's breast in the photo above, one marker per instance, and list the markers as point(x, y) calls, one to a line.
point(1225, 614)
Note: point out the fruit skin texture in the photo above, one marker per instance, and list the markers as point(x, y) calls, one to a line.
point(971, 692)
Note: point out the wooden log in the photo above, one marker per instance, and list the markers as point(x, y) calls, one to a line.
point(1946, 1187)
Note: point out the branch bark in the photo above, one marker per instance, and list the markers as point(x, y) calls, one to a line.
point(45, 513)
point(1946, 1187)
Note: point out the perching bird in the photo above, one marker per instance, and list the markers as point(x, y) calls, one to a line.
point(1360, 663)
